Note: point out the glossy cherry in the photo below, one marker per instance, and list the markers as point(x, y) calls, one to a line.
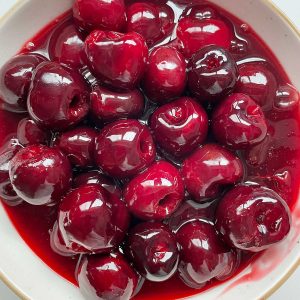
point(99, 14)
point(79, 145)
point(15, 78)
point(252, 218)
point(107, 278)
point(212, 74)
point(156, 193)
point(209, 169)
point(180, 126)
point(117, 59)
point(124, 148)
point(108, 106)
point(58, 97)
point(202, 254)
point(239, 122)
point(90, 221)
point(167, 16)
point(165, 76)
point(40, 175)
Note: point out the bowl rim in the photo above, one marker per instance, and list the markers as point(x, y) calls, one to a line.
point(19, 293)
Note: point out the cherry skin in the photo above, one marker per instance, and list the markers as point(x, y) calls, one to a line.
point(107, 278)
point(40, 175)
point(180, 126)
point(239, 122)
point(212, 74)
point(252, 218)
point(28, 133)
point(194, 34)
point(79, 145)
point(15, 78)
point(202, 254)
point(58, 97)
point(208, 169)
point(156, 193)
point(117, 59)
point(99, 14)
point(165, 76)
point(108, 106)
point(124, 148)
point(90, 221)
point(153, 250)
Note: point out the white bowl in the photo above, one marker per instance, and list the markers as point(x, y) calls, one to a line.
point(31, 279)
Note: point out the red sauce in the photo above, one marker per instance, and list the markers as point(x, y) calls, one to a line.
point(278, 155)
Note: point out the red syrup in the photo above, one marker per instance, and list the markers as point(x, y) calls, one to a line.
point(275, 161)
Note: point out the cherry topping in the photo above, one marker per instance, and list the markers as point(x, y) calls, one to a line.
point(117, 59)
point(180, 126)
point(165, 76)
point(209, 169)
point(239, 122)
point(252, 218)
point(40, 175)
point(156, 193)
point(58, 97)
point(124, 148)
point(212, 73)
point(153, 251)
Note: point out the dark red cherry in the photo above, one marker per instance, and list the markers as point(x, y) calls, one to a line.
point(40, 175)
point(239, 122)
point(202, 254)
point(209, 169)
point(167, 16)
point(28, 133)
point(200, 12)
point(194, 34)
point(108, 106)
point(117, 59)
point(99, 14)
point(66, 46)
point(107, 278)
point(180, 126)
point(212, 74)
point(90, 221)
point(165, 76)
point(156, 193)
point(153, 250)
point(257, 82)
point(79, 145)
point(58, 97)
point(15, 78)
point(252, 218)
point(124, 148)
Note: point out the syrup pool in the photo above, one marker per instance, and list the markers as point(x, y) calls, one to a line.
point(275, 162)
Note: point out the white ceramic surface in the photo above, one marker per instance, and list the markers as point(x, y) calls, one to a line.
point(28, 274)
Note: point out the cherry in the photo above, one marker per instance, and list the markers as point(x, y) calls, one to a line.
point(40, 175)
point(165, 76)
point(167, 16)
point(58, 97)
point(117, 59)
point(124, 148)
point(180, 126)
point(90, 221)
point(156, 193)
point(252, 218)
point(194, 34)
point(212, 73)
point(79, 145)
point(99, 14)
point(208, 169)
point(108, 106)
point(107, 278)
point(28, 133)
point(239, 122)
point(202, 255)
point(15, 78)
